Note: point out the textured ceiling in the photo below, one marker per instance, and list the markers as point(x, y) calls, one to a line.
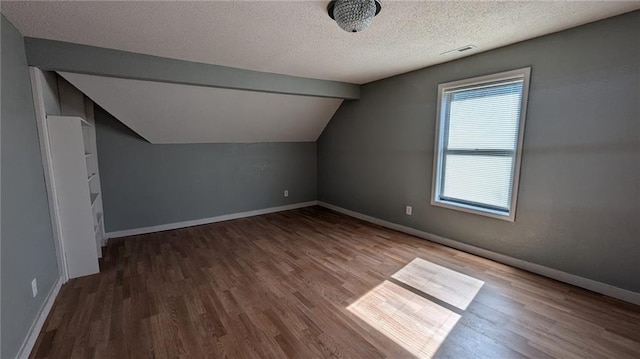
point(297, 37)
point(171, 113)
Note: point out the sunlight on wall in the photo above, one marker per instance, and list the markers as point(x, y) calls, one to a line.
point(411, 320)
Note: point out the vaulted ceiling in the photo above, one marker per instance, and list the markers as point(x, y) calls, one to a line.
point(173, 113)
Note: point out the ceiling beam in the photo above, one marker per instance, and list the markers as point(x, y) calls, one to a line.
point(64, 56)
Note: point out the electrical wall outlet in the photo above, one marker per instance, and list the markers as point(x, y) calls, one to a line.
point(34, 287)
point(409, 210)
point(286, 193)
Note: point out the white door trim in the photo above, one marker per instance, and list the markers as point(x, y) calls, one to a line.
point(45, 150)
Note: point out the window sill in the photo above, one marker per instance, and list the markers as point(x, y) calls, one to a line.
point(509, 217)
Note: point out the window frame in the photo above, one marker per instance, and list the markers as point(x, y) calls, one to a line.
point(439, 151)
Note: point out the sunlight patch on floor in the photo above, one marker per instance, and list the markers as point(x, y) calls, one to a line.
point(409, 317)
point(440, 282)
point(415, 323)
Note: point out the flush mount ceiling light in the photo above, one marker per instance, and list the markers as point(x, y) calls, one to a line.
point(353, 15)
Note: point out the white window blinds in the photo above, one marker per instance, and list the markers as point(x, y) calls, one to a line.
point(478, 144)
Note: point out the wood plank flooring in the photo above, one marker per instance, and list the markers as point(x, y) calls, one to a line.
point(312, 283)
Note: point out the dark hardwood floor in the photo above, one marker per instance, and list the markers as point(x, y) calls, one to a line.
point(312, 283)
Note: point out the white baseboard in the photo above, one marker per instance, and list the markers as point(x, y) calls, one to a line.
point(37, 325)
point(598, 287)
point(198, 222)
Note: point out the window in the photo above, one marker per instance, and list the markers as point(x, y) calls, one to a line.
point(479, 143)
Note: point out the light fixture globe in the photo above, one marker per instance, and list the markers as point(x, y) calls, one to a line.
point(353, 15)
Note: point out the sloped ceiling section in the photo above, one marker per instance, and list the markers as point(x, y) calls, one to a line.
point(172, 113)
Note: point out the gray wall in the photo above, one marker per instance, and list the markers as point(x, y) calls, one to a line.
point(27, 239)
point(579, 197)
point(146, 185)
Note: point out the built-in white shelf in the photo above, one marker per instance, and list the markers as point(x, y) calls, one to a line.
point(85, 122)
point(68, 137)
point(98, 221)
point(94, 196)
